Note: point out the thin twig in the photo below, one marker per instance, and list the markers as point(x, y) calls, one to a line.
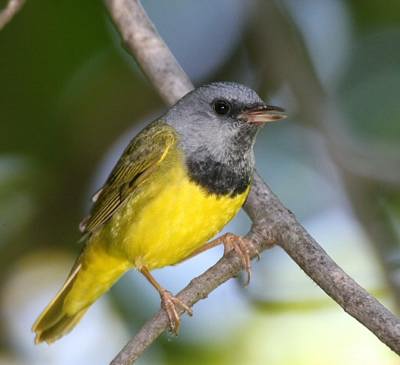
point(142, 40)
point(12, 8)
point(272, 222)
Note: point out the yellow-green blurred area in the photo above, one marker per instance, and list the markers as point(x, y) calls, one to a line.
point(71, 98)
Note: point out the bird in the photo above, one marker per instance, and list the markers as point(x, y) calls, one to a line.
point(175, 186)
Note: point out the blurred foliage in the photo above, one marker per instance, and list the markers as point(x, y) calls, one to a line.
point(69, 98)
point(370, 16)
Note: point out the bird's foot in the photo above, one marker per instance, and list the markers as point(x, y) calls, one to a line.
point(170, 304)
point(244, 248)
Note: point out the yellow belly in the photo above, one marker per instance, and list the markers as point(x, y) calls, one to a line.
point(163, 226)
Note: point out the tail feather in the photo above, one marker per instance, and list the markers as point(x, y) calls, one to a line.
point(59, 329)
point(53, 322)
point(84, 285)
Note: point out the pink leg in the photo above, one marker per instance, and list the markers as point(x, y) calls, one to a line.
point(243, 248)
point(168, 302)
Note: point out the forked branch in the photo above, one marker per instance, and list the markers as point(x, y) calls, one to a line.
point(272, 222)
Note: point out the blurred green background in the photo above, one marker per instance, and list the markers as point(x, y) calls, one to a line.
point(71, 98)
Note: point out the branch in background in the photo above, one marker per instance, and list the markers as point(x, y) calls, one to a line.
point(363, 170)
point(12, 8)
point(143, 41)
point(272, 222)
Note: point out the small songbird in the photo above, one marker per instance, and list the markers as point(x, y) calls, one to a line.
point(177, 184)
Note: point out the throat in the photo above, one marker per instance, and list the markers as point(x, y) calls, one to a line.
point(231, 178)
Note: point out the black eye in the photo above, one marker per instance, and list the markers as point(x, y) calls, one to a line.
point(222, 107)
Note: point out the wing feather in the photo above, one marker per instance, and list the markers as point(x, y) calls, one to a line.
point(140, 158)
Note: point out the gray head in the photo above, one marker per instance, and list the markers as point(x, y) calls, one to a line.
point(217, 124)
point(220, 116)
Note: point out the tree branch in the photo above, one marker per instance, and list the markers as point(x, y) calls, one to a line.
point(364, 171)
point(12, 8)
point(272, 222)
point(151, 53)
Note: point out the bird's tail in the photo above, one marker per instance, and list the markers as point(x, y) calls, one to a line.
point(93, 274)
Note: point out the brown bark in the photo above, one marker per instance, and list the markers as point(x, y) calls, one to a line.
point(272, 222)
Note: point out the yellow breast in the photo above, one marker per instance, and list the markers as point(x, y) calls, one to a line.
point(163, 226)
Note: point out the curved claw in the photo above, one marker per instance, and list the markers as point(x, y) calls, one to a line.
point(170, 304)
point(243, 248)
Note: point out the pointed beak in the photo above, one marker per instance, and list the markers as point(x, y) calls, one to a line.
point(262, 114)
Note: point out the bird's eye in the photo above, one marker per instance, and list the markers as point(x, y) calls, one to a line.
point(222, 107)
